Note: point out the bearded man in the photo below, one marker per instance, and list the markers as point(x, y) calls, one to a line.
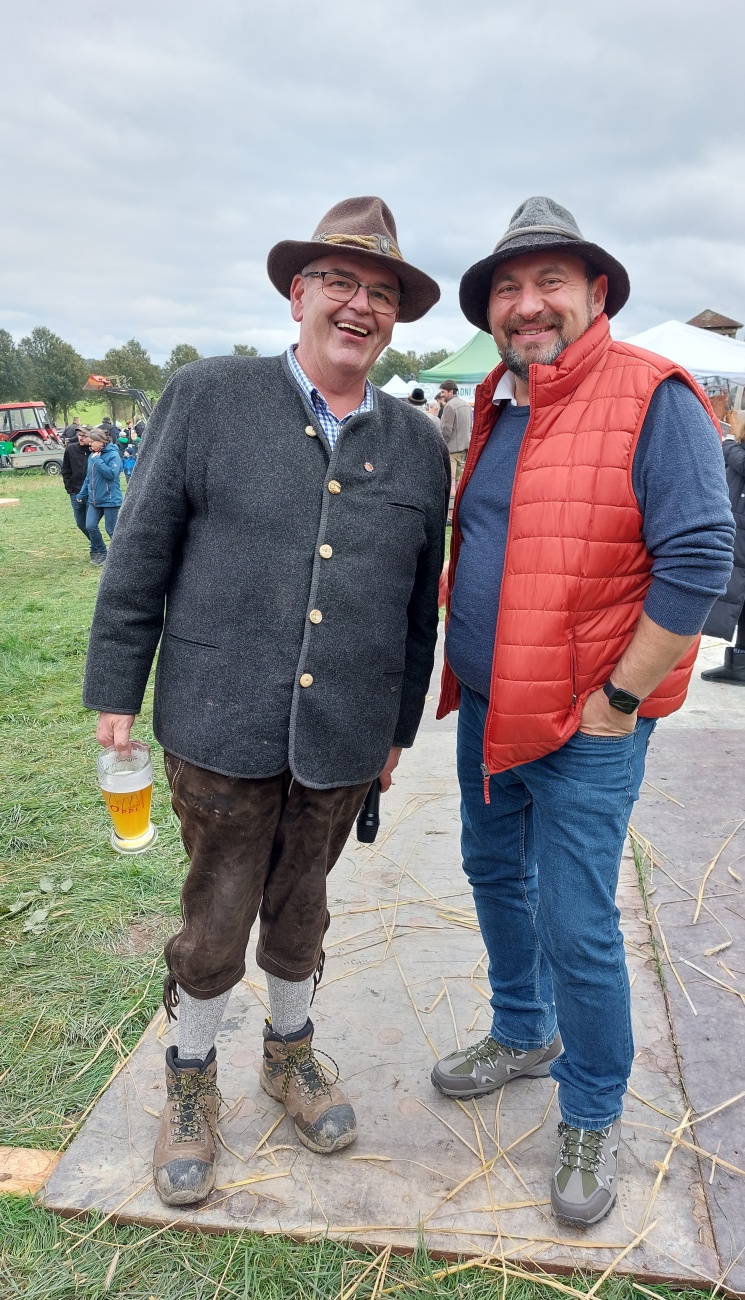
point(289, 568)
point(592, 533)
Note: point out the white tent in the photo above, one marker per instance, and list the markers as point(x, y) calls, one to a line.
point(397, 388)
point(699, 351)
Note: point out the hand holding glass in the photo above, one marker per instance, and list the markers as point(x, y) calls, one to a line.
point(127, 787)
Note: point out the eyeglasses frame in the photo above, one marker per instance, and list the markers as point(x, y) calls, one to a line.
point(319, 275)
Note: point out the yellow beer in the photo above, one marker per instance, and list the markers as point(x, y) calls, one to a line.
point(127, 788)
point(130, 813)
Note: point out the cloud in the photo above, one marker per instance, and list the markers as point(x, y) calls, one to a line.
point(157, 153)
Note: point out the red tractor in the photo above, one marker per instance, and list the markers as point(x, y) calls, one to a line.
point(27, 426)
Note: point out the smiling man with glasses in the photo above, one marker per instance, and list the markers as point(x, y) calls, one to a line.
point(290, 570)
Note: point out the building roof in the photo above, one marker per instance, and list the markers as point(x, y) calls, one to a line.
point(713, 320)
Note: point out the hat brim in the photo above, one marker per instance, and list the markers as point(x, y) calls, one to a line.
point(287, 259)
point(475, 287)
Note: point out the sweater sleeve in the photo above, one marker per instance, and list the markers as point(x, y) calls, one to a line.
point(423, 617)
point(67, 476)
point(130, 607)
point(679, 481)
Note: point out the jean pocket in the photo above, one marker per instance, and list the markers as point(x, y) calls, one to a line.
point(602, 740)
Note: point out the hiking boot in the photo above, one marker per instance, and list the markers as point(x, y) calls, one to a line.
point(732, 670)
point(98, 557)
point(324, 1120)
point(184, 1157)
point(488, 1065)
point(585, 1180)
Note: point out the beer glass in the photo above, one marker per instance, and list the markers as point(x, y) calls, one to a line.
point(127, 787)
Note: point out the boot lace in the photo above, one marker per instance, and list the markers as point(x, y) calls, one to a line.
point(487, 1049)
point(582, 1148)
point(312, 1081)
point(188, 1095)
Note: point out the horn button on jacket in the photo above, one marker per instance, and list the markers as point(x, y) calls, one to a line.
point(218, 548)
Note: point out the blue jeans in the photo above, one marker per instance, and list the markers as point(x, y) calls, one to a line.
point(93, 517)
point(80, 511)
point(543, 858)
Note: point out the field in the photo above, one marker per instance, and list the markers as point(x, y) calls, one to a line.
point(81, 934)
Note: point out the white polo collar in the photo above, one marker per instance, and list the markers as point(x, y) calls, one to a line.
point(505, 389)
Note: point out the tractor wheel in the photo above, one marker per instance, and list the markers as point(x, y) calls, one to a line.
point(29, 442)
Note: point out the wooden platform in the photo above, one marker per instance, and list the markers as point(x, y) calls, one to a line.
point(405, 980)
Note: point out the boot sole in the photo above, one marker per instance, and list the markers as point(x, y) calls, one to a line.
point(583, 1223)
point(538, 1072)
point(185, 1197)
point(345, 1140)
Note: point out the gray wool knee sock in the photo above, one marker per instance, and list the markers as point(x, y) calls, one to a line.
point(198, 1022)
point(289, 1004)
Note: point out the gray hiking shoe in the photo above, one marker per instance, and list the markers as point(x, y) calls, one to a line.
point(488, 1065)
point(585, 1180)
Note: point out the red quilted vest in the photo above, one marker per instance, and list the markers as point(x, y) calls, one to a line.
point(576, 569)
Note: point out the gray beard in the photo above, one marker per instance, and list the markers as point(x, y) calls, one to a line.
point(520, 367)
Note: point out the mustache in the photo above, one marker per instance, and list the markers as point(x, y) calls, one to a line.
point(549, 319)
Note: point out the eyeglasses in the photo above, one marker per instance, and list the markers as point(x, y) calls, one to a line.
point(342, 288)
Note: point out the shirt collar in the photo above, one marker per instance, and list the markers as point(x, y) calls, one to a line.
point(312, 393)
point(505, 389)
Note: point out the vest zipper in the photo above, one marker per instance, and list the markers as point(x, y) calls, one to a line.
point(573, 664)
point(485, 774)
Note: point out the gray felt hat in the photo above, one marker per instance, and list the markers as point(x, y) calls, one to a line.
point(539, 223)
point(363, 226)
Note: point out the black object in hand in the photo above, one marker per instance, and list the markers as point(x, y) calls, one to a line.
point(369, 818)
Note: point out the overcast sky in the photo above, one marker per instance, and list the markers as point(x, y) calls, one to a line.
point(152, 156)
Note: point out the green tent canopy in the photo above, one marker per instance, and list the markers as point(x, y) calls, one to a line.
point(469, 365)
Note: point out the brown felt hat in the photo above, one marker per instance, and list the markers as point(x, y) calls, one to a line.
point(540, 223)
point(363, 226)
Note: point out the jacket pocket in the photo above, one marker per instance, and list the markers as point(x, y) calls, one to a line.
point(406, 505)
point(190, 640)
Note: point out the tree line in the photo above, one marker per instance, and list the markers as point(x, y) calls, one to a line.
point(42, 366)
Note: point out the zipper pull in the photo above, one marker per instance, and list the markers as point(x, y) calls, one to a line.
point(485, 774)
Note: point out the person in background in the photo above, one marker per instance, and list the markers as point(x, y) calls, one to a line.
point(71, 430)
point(727, 616)
point(129, 458)
point(433, 411)
point(74, 468)
point(101, 493)
point(455, 427)
point(416, 398)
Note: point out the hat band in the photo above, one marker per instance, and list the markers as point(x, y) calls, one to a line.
point(537, 230)
point(371, 243)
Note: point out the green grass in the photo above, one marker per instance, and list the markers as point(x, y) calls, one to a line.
point(94, 958)
point(41, 1259)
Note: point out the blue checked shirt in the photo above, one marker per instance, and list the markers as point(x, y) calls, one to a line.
point(328, 421)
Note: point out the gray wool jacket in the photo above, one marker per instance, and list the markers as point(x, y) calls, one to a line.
point(293, 589)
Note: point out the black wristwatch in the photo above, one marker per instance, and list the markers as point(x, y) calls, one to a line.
point(624, 701)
